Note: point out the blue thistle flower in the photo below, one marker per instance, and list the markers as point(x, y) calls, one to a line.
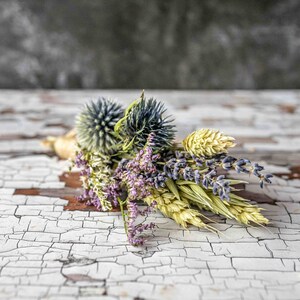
point(95, 126)
point(145, 117)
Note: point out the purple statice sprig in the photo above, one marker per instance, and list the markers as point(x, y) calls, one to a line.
point(134, 231)
point(113, 191)
point(138, 176)
point(81, 163)
point(132, 180)
point(91, 198)
point(85, 172)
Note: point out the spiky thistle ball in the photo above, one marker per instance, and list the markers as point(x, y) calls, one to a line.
point(95, 125)
point(145, 117)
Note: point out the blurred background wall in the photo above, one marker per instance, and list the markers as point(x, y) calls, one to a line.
point(178, 44)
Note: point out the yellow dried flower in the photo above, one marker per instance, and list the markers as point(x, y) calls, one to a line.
point(64, 146)
point(207, 142)
point(245, 212)
point(237, 208)
point(247, 215)
point(174, 208)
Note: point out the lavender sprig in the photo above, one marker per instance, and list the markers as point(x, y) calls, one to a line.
point(185, 167)
point(243, 166)
point(204, 171)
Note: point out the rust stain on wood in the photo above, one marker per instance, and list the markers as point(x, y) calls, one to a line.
point(70, 192)
point(7, 111)
point(293, 174)
point(74, 204)
point(27, 192)
point(288, 108)
point(71, 179)
point(13, 137)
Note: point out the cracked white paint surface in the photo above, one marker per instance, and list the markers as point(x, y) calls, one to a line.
point(49, 253)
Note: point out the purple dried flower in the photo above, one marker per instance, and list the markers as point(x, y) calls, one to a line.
point(197, 176)
point(265, 178)
point(140, 174)
point(204, 171)
point(112, 192)
point(81, 163)
point(92, 199)
point(134, 231)
point(242, 165)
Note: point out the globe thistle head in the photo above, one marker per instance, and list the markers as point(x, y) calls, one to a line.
point(95, 126)
point(207, 142)
point(142, 118)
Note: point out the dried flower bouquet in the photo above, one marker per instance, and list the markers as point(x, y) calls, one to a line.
point(131, 155)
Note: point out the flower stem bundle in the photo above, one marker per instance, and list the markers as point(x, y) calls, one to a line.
point(130, 156)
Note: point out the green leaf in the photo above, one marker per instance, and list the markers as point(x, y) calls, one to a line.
point(220, 208)
point(201, 194)
point(233, 181)
point(128, 146)
point(237, 197)
point(135, 102)
point(119, 124)
point(184, 182)
point(172, 187)
point(198, 190)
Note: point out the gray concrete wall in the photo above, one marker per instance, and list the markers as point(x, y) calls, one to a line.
point(205, 44)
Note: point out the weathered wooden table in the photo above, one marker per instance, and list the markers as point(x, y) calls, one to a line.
point(52, 248)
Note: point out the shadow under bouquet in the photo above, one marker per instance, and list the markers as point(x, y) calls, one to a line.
point(130, 156)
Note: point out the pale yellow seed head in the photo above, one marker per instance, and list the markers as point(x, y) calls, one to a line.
point(176, 209)
point(247, 215)
point(207, 142)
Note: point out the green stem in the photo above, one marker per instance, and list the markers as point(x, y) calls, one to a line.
point(121, 203)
